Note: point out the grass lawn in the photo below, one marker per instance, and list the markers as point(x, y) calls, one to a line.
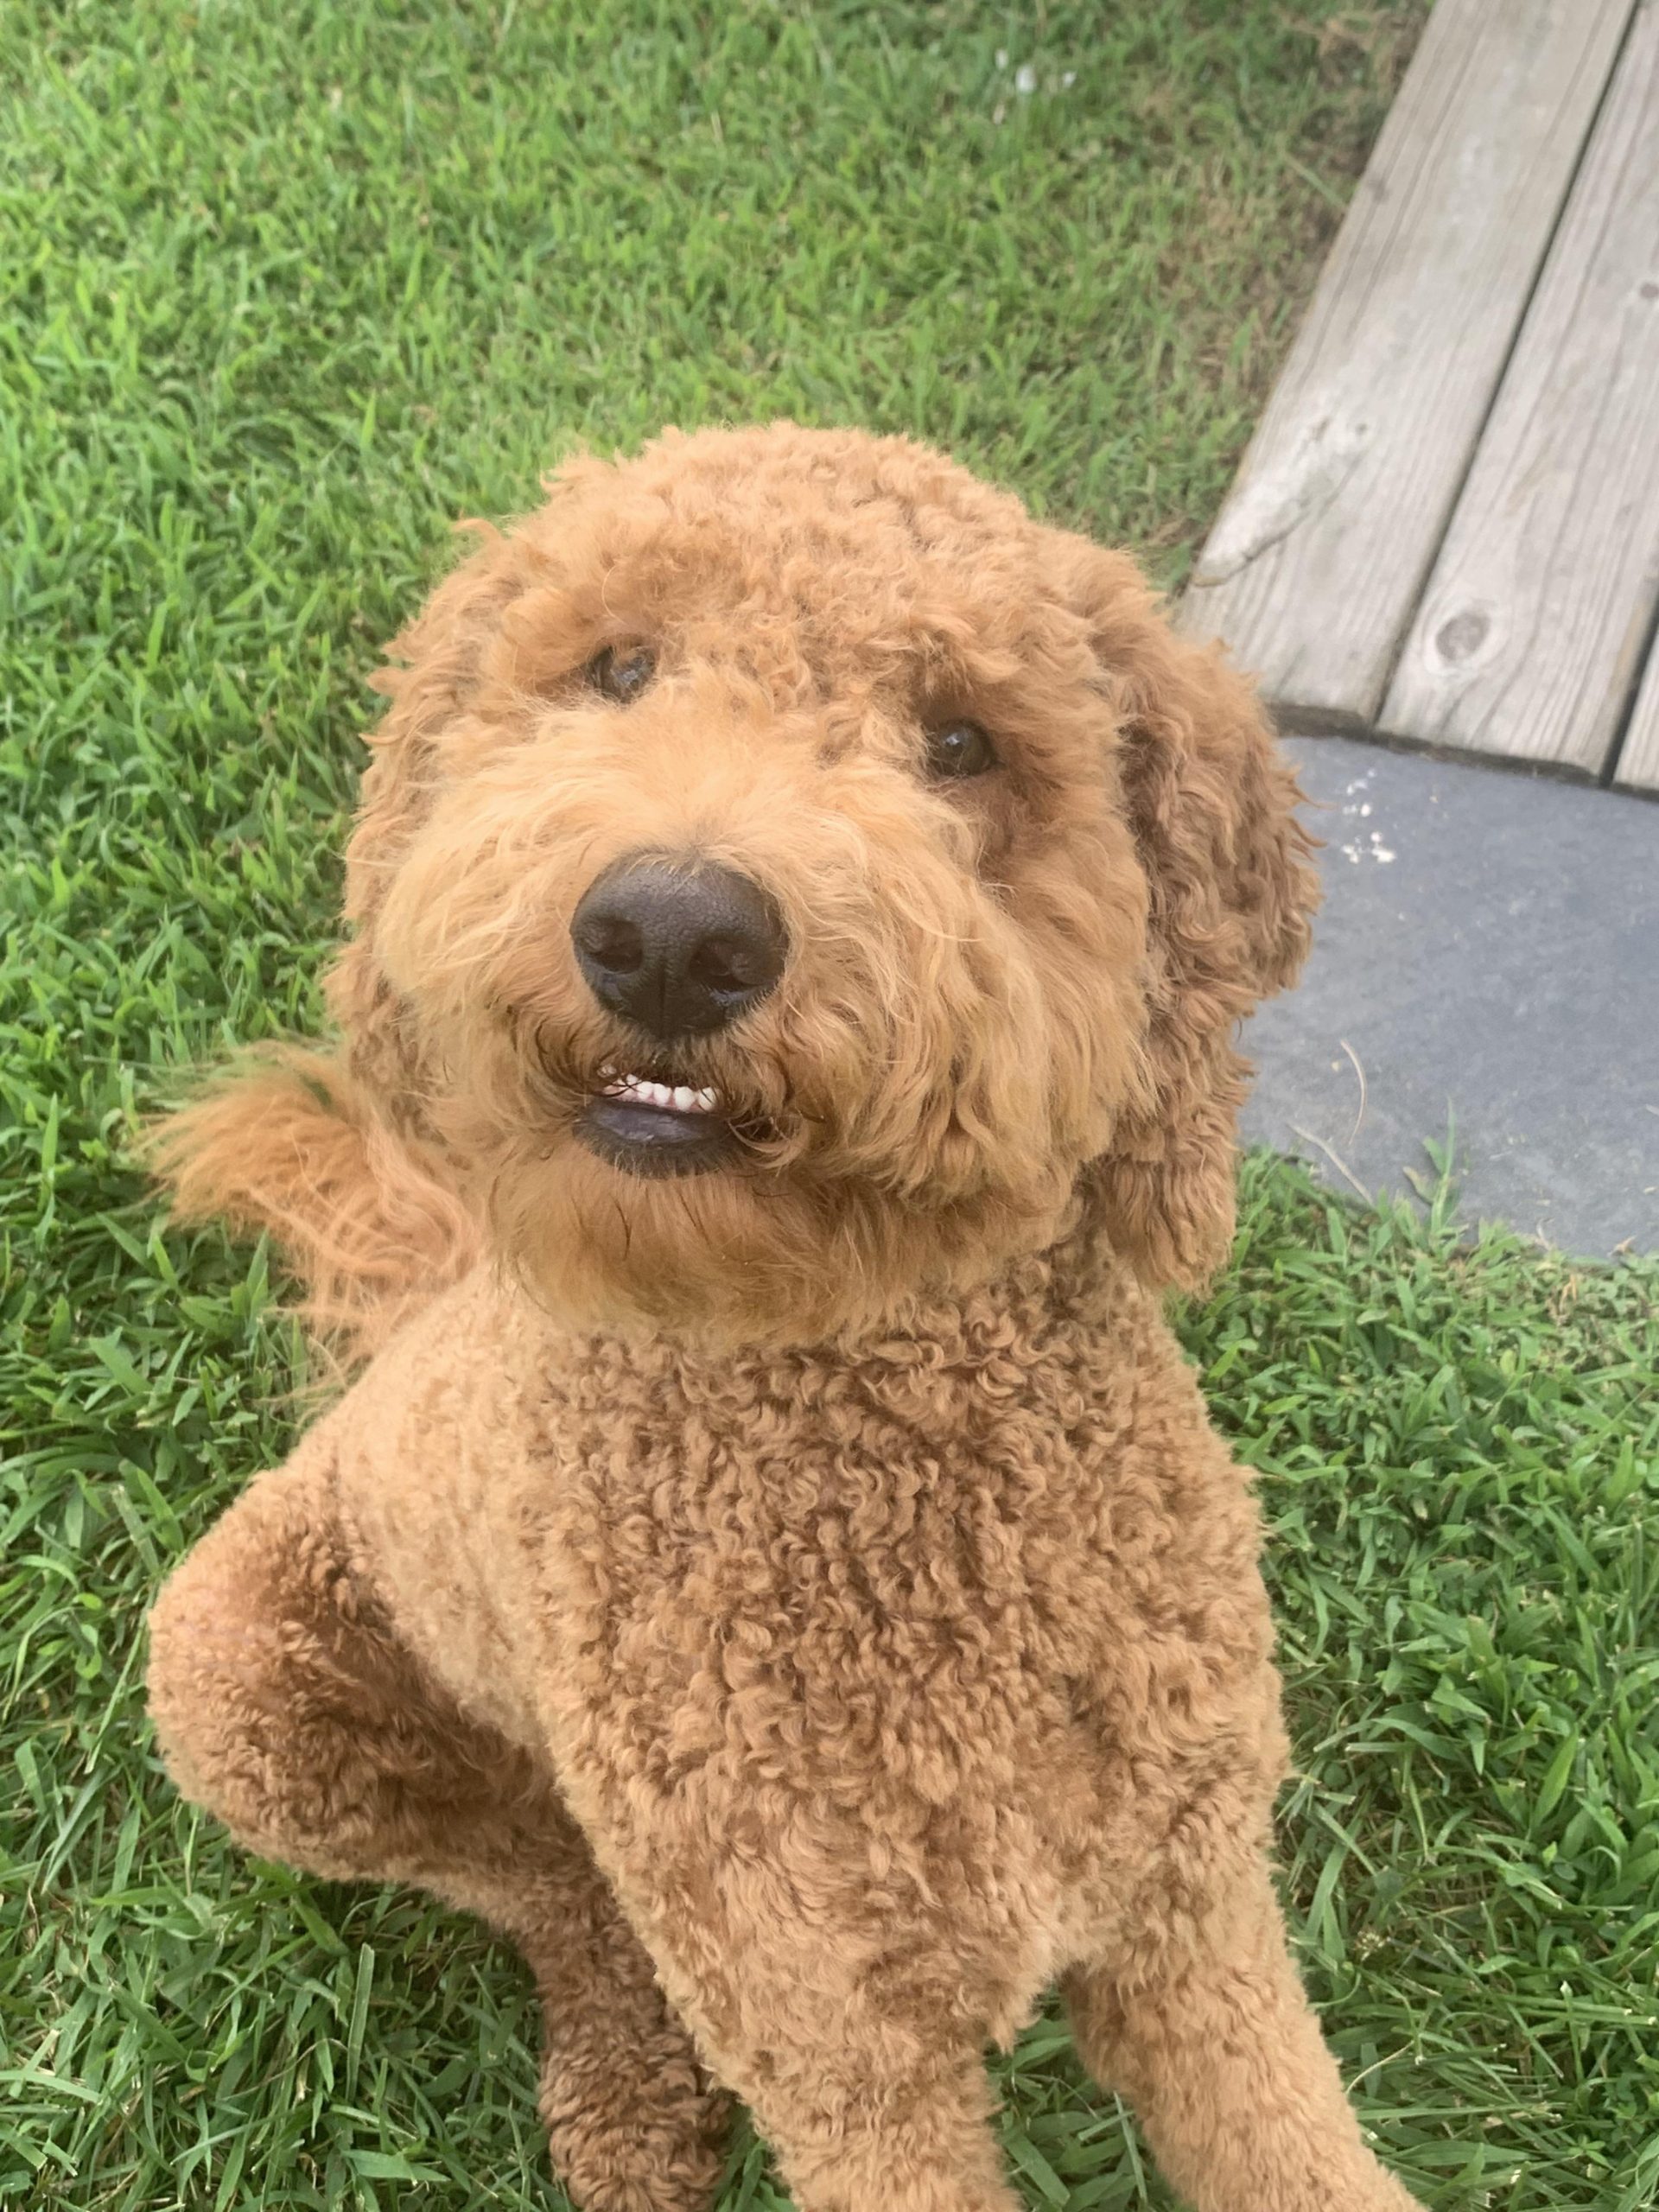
point(282, 291)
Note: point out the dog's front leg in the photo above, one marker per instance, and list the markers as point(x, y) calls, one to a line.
point(865, 2113)
point(853, 2028)
point(859, 2125)
point(1205, 2028)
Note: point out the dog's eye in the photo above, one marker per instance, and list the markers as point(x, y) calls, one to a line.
point(622, 672)
point(959, 749)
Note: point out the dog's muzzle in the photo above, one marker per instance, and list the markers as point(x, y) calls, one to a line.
point(678, 950)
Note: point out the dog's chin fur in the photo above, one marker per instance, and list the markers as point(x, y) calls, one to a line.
point(733, 1258)
point(829, 1216)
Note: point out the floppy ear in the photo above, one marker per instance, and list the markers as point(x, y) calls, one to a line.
point(433, 672)
point(1210, 803)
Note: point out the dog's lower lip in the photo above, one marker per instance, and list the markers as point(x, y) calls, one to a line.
point(656, 1141)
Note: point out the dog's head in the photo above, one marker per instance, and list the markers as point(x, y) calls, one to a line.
point(789, 872)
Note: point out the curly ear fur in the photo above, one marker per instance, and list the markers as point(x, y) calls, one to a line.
point(433, 668)
point(287, 1142)
point(1212, 804)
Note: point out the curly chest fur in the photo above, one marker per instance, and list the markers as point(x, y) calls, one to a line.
point(986, 1542)
point(1004, 1543)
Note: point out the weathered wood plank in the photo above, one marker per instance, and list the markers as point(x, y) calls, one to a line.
point(1638, 757)
point(1313, 569)
point(1530, 638)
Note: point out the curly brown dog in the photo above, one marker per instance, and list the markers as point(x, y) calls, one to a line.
point(775, 1564)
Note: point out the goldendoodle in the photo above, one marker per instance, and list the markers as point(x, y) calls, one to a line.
point(774, 1563)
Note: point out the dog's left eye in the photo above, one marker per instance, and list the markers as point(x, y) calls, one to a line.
point(959, 749)
point(622, 672)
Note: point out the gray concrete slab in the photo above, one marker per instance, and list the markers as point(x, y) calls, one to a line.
point(1488, 955)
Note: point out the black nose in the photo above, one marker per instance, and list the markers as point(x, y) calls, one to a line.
point(681, 948)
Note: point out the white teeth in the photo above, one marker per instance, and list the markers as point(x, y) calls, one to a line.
point(678, 1097)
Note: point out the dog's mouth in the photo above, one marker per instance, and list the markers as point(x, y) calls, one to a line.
point(655, 1126)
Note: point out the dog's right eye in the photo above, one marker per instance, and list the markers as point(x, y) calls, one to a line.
point(622, 672)
point(957, 749)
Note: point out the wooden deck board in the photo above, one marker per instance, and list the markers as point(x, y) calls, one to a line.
point(1638, 757)
point(1313, 569)
point(1529, 637)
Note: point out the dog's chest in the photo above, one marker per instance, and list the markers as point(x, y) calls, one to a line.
point(897, 1567)
point(1009, 1563)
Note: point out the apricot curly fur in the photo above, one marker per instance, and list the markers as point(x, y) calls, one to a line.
point(801, 1603)
point(372, 1228)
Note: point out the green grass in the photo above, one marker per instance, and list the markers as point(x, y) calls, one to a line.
point(284, 291)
